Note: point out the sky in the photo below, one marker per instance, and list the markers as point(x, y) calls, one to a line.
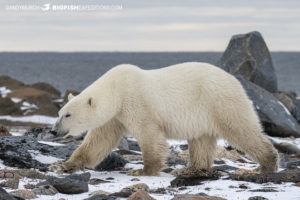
point(144, 25)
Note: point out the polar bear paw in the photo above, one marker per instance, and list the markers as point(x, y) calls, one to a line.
point(65, 167)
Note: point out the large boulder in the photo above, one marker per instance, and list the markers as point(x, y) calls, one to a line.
point(248, 55)
point(275, 117)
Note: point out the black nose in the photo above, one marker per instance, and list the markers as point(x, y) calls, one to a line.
point(53, 132)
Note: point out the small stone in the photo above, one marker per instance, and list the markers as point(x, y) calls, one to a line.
point(113, 161)
point(110, 178)
point(4, 131)
point(257, 198)
point(11, 183)
point(264, 190)
point(135, 179)
point(297, 184)
point(138, 186)
point(243, 186)
point(45, 190)
point(97, 181)
point(140, 195)
point(29, 186)
point(26, 194)
point(99, 192)
point(101, 197)
point(200, 196)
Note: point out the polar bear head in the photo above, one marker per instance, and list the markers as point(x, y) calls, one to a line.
point(76, 116)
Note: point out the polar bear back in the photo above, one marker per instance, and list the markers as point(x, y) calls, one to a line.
point(181, 95)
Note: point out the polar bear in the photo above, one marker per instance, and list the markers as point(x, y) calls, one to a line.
point(197, 102)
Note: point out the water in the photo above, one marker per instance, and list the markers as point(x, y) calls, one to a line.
point(78, 70)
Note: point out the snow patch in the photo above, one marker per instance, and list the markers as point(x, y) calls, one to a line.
point(51, 143)
point(42, 158)
point(4, 91)
point(16, 100)
point(34, 119)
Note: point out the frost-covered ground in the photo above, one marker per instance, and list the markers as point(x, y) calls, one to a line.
point(228, 189)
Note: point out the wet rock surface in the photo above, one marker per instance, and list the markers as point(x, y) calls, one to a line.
point(13, 146)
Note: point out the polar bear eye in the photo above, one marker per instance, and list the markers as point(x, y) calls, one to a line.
point(67, 115)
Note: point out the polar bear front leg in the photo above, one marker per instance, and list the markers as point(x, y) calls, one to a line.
point(96, 146)
point(154, 149)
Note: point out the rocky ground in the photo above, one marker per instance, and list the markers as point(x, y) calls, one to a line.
point(25, 160)
point(28, 146)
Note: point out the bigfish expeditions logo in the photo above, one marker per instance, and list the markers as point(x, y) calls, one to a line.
point(61, 7)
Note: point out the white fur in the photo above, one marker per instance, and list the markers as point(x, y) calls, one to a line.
point(194, 101)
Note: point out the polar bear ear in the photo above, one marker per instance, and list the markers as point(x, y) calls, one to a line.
point(70, 96)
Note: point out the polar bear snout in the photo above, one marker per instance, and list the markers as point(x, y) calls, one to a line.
point(58, 130)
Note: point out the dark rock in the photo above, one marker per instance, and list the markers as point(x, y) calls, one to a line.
point(184, 147)
point(293, 163)
point(200, 196)
point(243, 186)
point(13, 146)
point(69, 186)
point(296, 110)
point(126, 152)
point(123, 193)
point(80, 177)
point(224, 168)
point(257, 198)
point(287, 148)
point(8, 107)
point(10, 83)
point(219, 162)
point(45, 190)
point(248, 55)
point(123, 144)
point(279, 177)
point(264, 190)
point(195, 178)
point(5, 196)
point(101, 197)
point(133, 145)
point(4, 131)
point(275, 118)
point(97, 181)
point(171, 161)
point(54, 93)
point(167, 170)
point(41, 133)
point(113, 161)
